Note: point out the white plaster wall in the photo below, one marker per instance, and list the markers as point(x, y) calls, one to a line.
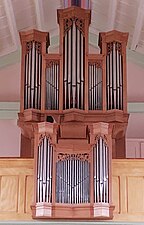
point(10, 83)
point(135, 148)
point(135, 79)
point(9, 138)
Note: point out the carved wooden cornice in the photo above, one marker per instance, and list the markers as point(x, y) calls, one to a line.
point(72, 12)
point(30, 35)
point(113, 36)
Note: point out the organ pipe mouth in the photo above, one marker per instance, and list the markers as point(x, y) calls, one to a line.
point(50, 119)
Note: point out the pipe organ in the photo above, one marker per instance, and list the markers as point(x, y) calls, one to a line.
point(73, 117)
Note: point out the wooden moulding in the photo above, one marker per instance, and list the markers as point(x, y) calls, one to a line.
point(74, 11)
point(34, 34)
point(46, 128)
point(94, 116)
point(111, 36)
point(71, 211)
point(33, 115)
point(78, 115)
point(73, 131)
point(73, 115)
point(41, 210)
point(103, 211)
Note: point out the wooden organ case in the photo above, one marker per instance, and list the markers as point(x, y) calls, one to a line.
point(73, 117)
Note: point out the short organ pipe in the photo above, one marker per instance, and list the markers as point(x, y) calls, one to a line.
point(72, 180)
point(44, 171)
point(52, 85)
point(101, 172)
point(95, 86)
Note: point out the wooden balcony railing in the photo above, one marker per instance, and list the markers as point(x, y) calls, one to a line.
point(16, 189)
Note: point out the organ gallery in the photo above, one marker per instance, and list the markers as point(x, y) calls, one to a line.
point(73, 117)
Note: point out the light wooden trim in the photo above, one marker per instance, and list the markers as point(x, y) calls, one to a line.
point(15, 174)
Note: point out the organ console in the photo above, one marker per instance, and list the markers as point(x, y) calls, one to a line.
point(73, 117)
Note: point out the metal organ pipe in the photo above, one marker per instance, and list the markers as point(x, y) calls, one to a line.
point(101, 172)
point(44, 171)
point(114, 76)
point(72, 180)
point(95, 86)
point(52, 85)
point(32, 76)
point(74, 66)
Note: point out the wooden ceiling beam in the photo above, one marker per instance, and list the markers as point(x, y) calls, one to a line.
point(111, 15)
point(40, 15)
point(138, 26)
point(12, 23)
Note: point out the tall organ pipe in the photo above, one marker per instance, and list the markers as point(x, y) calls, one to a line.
point(32, 76)
point(114, 76)
point(74, 63)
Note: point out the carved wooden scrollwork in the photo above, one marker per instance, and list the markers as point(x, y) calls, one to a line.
point(110, 46)
point(38, 47)
point(78, 156)
point(29, 46)
point(78, 22)
point(96, 63)
point(67, 25)
point(101, 136)
point(50, 63)
point(80, 25)
point(119, 47)
point(43, 136)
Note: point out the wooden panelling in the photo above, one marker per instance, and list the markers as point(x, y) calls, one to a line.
point(16, 189)
point(128, 189)
point(116, 194)
point(29, 193)
point(9, 193)
point(135, 194)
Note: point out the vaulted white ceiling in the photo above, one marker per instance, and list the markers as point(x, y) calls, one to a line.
point(18, 15)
